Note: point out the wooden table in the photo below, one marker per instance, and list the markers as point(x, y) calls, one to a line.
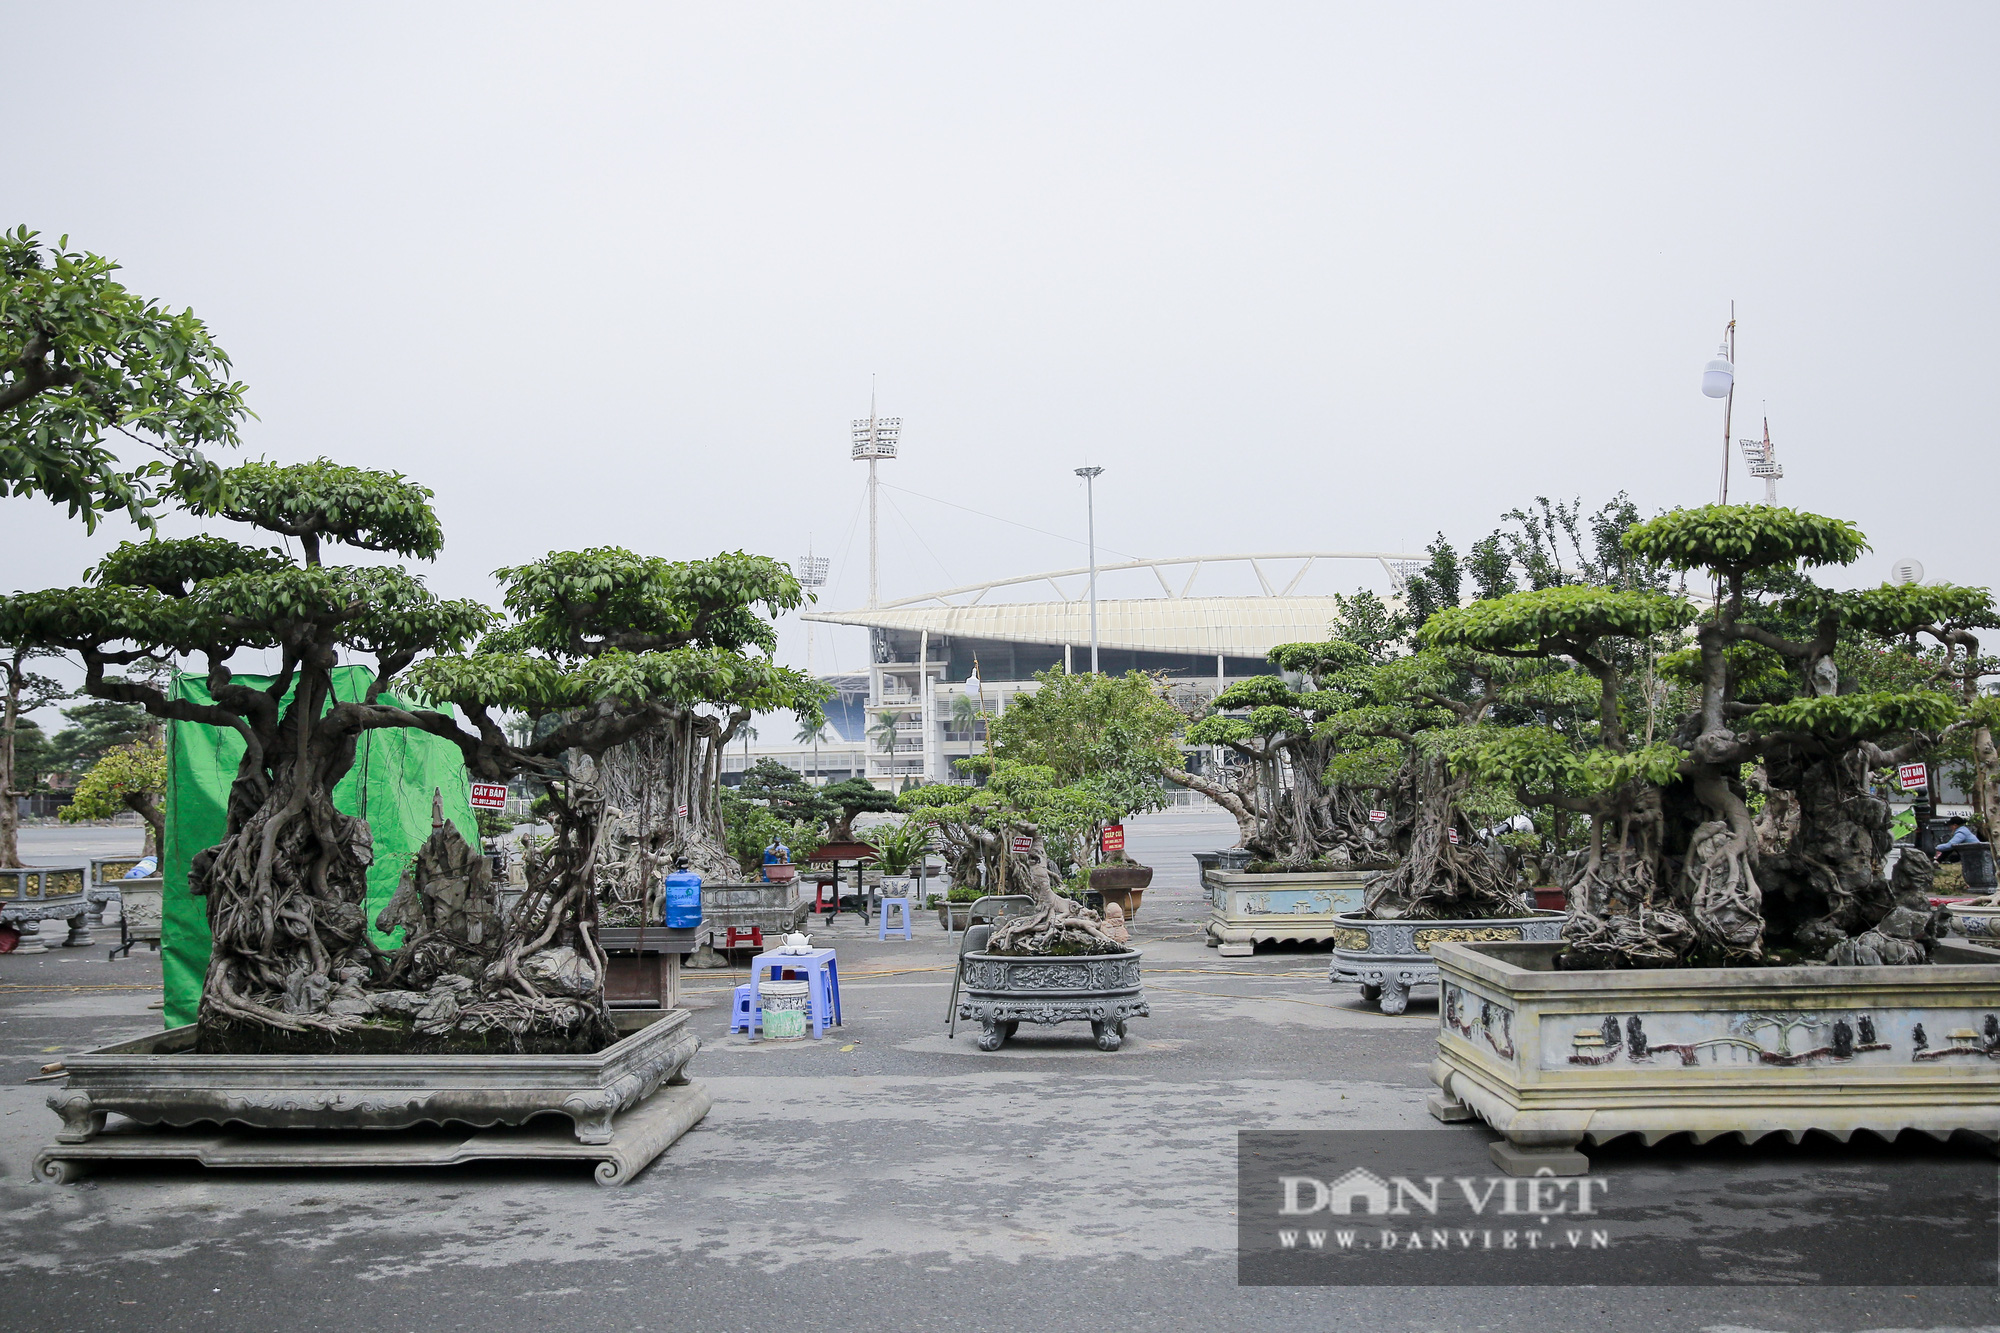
point(645, 965)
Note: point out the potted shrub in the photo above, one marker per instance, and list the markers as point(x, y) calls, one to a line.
point(1056, 963)
point(1709, 978)
point(1409, 716)
point(502, 1018)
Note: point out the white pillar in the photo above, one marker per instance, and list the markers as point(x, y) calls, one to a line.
point(872, 597)
point(924, 699)
point(1067, 670)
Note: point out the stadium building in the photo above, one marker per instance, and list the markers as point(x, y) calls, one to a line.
point(924, 649)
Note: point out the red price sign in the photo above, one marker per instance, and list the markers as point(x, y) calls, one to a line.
point(1023, 844)
point(1913, 777)
point(489, 796)
point(1378, 816)
point(1114, 838)
point(1454, 835)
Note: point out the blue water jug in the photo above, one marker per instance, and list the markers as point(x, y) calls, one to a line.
point(683, 898)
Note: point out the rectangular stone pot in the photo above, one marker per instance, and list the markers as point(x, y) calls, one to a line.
point(159, 1080)
point(1246, 908)
point(1551, 1058)
point(767, 907)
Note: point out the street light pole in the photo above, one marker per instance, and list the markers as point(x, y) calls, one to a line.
point(1090, 476)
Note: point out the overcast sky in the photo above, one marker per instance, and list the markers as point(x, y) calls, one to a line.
point(1298, 277)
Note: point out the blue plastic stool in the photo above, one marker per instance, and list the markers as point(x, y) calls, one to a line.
point(885, 929)
point(747, 1015)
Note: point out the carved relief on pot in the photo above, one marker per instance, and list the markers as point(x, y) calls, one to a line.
point(1347, 938)
point(1424, 939)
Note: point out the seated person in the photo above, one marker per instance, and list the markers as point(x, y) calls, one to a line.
point(1960, 835)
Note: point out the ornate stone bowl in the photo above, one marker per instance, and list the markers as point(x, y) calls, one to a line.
point(1387, 958)
point(1978, 924)
point(1003, 991)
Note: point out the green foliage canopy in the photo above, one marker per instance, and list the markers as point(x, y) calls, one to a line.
point(83, 358)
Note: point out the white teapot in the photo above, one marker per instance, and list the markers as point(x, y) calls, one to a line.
point(796, 943)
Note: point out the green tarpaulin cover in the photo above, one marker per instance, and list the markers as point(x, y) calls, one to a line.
point(395, 770)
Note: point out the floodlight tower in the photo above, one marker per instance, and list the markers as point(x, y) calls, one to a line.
point(1762, 458)
point(1090, 476)
point(874, 438)
point(812, 576)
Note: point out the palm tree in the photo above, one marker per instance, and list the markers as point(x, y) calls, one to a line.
point(883, 733)
point(811, 733)
point(966, 715)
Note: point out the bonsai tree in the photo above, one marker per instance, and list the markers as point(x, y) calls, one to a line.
point(21, 692)
point(848, 800)
point(1113, 735)
point(1673, 873)
point(1290, 813)
point(1413, 715)
point(1947, 616)
point(131, 777)
point(82, 358)
point(680, 642)
point(978, 825)
point(286, 885)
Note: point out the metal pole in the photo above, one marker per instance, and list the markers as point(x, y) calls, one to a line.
point(1090, 475)
point(872, 598)
point(1728, 405)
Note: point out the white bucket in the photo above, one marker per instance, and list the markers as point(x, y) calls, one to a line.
point(784, 1009)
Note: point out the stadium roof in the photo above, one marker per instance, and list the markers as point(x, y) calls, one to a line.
point(1173, 622)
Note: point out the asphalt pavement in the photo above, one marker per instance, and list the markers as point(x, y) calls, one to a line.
point(886, 1177)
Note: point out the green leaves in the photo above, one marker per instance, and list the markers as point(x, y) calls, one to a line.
point(327, 501)
point(1734, 539)
point(576, 603)
point(173, 566)
point(681, 678)
point(1556, 620)
point(1854, 717)
point(81, 359)
point(1542, 762)
point(1899, 610)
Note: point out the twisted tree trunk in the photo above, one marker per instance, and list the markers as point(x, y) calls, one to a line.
point(1439, 878)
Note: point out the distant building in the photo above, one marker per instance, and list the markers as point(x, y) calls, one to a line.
point(923, 649)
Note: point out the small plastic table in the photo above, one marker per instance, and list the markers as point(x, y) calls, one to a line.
point(819, 968)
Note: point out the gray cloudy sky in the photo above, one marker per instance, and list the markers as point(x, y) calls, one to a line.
point(1297, 276)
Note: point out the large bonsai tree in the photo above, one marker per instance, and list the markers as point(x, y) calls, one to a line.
point(675, 657)
point(1288, 809)
point(1411, 717)
point(286, 886)
point(1673, 873)
point(84, 359)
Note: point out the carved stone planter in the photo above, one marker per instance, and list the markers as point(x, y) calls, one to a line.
point(107, 883)
point(1003, 991)
point(1981, 925)
point(1551, 1058)
point(775, 909)
point(1387, 958)
point(37, 894)
point(1247, 909)
point(1203, 863)
point(160, 1080)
